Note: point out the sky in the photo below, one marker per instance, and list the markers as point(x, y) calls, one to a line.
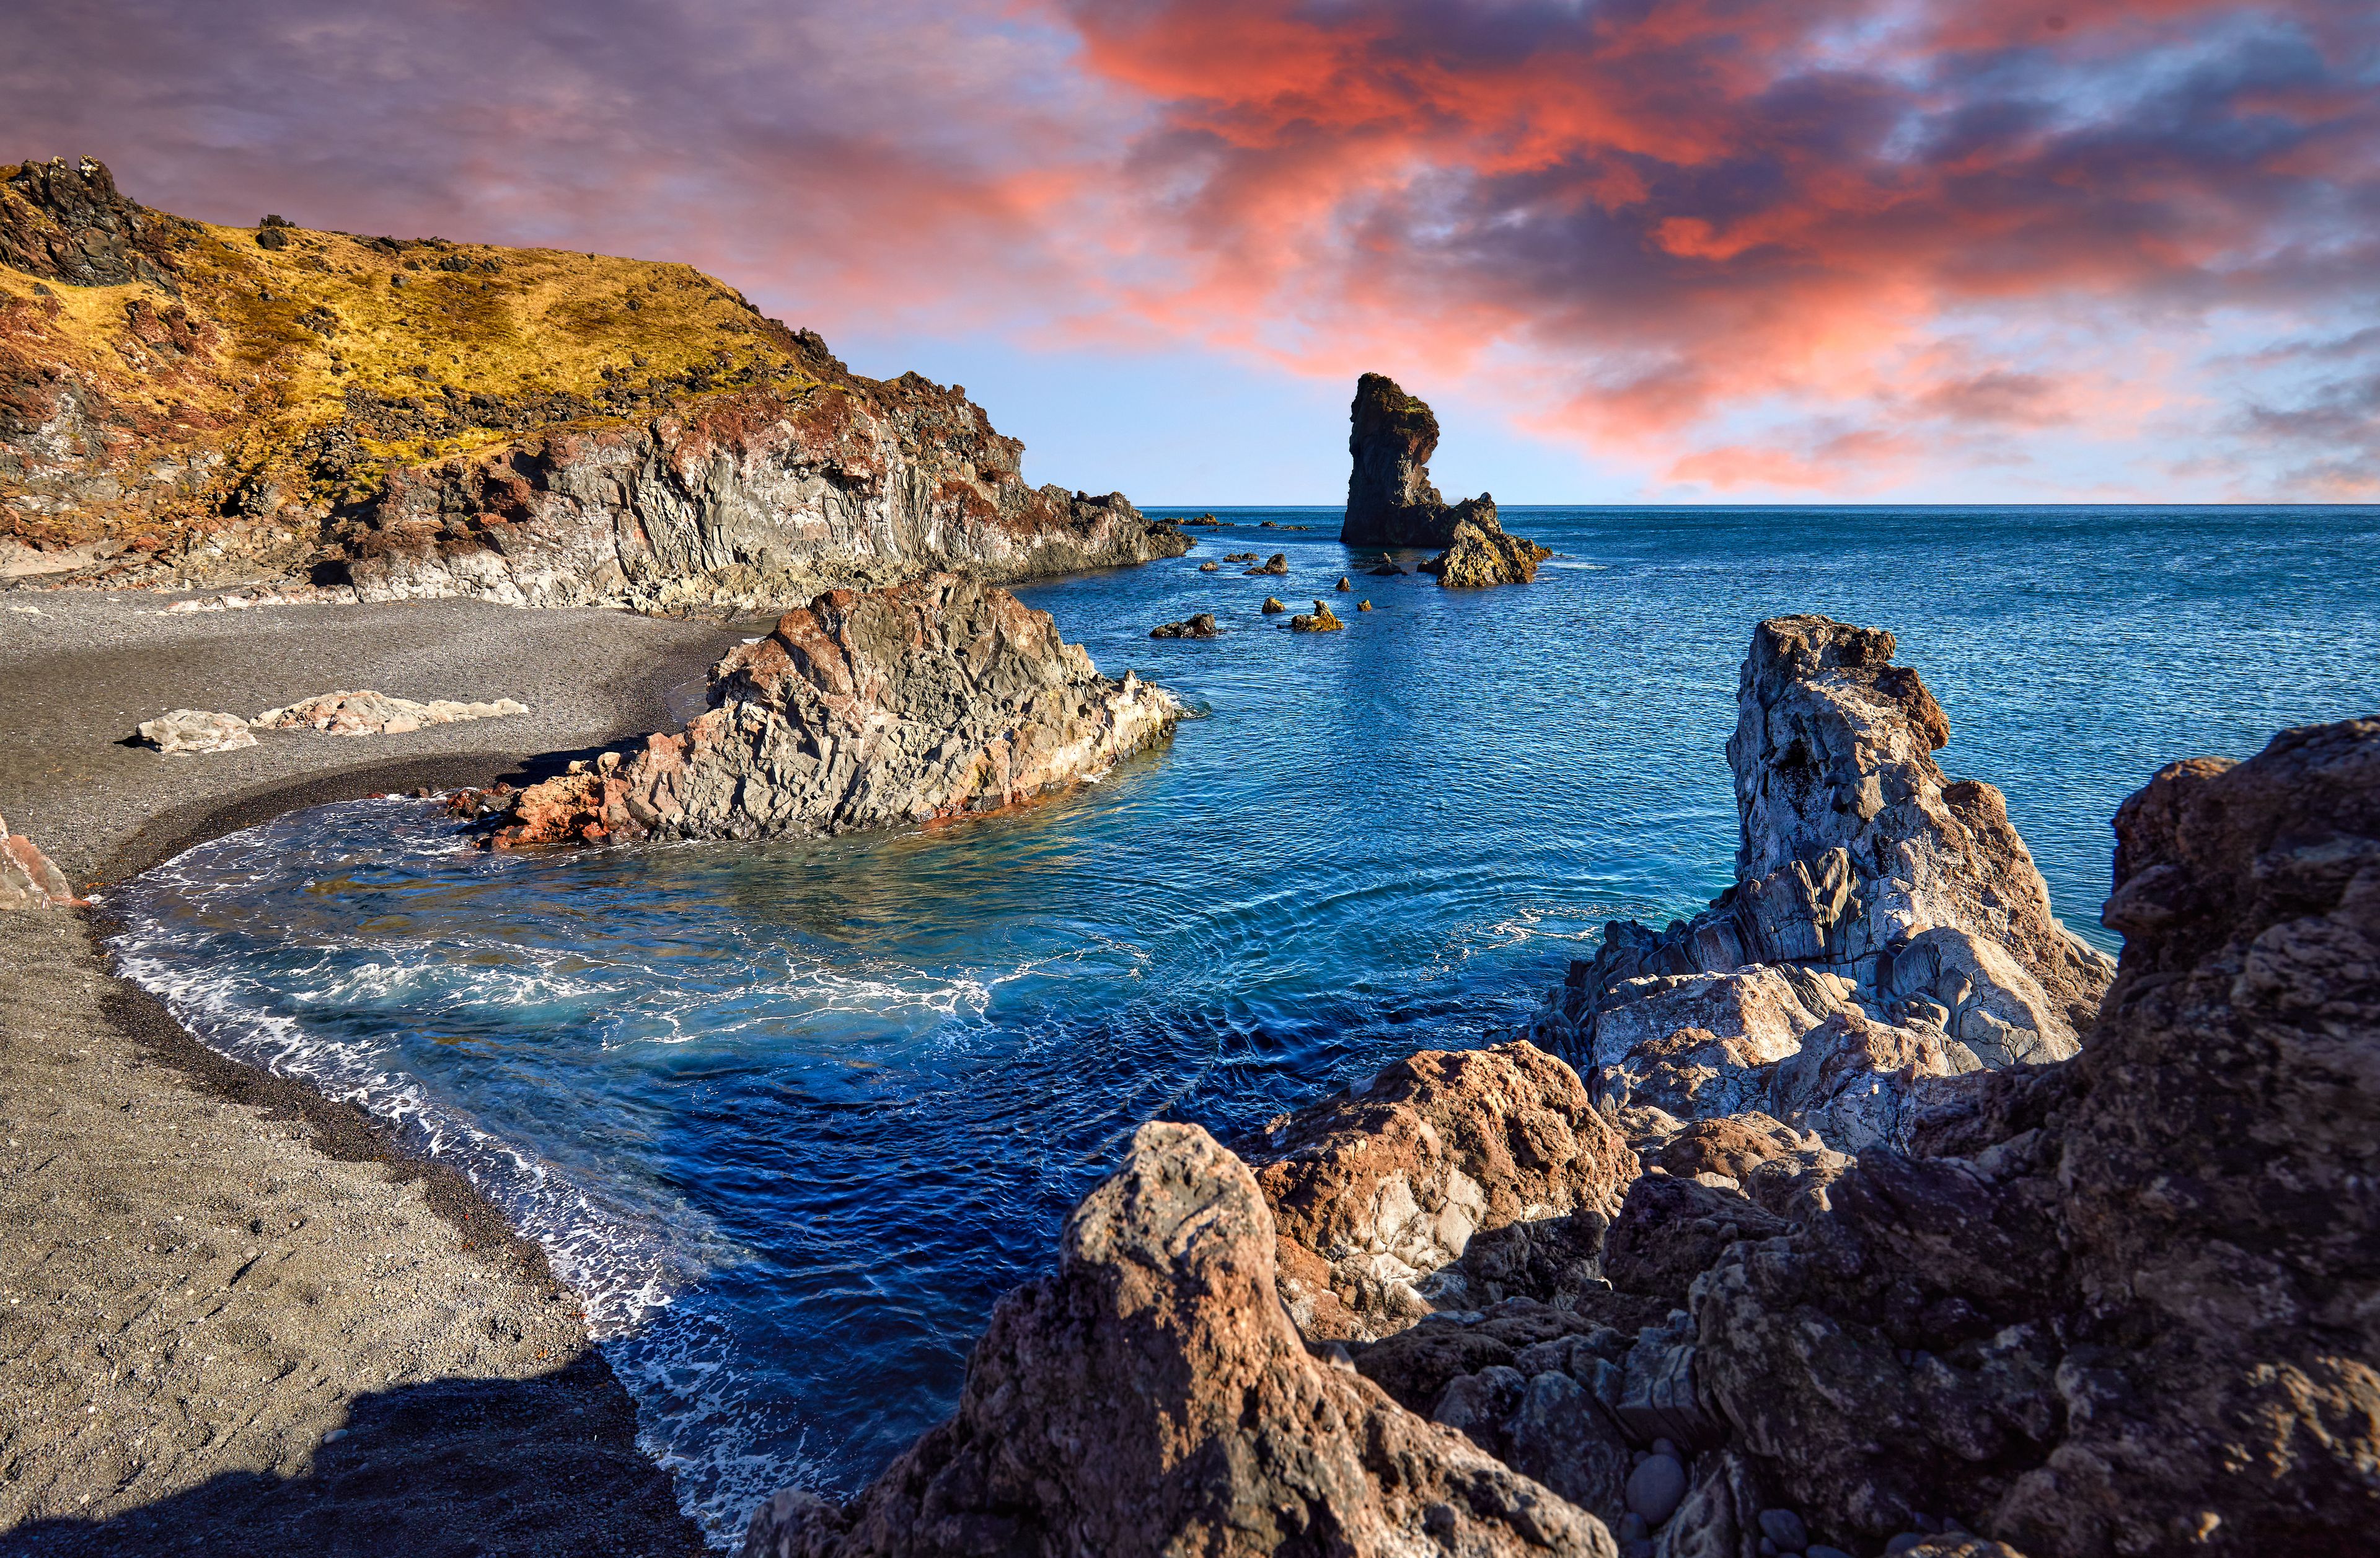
point(1643, 250)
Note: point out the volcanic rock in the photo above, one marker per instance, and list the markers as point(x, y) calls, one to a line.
point(1879, 905)
point(1272, 606)
point(1152, 1398)
point(1390, 499)
point(1380, 1191)
point(1200, 626)
point(1276, 563)
point(1322, 621)
point(2127, 1304)
point(28, 879)
point(376, 713)
point(1481, 554)
point(925, 701)
point(185, 731)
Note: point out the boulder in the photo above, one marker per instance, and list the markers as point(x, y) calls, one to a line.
point(1670, 1230)
point(1322, 621)
point(1363, 606)
point(1210, 567)
point(1273, 607)
point(1343, 586)
point(376, 713)
point(1276, 563)
point(1152, 1398)
point(1200, 626)
point(28, 879)
point(923, 701)
point(1380, 1191)
point(2124, 1303)
point(185, 731)
point(1480, 554)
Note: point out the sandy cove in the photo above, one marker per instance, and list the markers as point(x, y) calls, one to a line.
point(232, 1313)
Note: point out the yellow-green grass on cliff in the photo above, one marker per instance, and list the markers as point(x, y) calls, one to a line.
point(281, 334)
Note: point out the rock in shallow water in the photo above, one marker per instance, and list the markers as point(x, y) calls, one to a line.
point(923, 701)
point(1481, 553)
point(1201, 625)
point(1323, 620)
point(1152, 1398)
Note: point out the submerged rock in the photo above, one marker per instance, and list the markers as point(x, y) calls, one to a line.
point(1480, 554)
point(1888, 930)
point(1200, 626)
point(376, 713)
point(184, 732)
point(1152, 1398)
point(1322, 621)
point(918, 702)
point(29, 879)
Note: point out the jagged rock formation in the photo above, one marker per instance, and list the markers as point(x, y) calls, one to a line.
point(1886, 927)
point(1392, 503)
point(182, 403)
point(1449, 1181)
point(2127, 1304)
point(1480, 554)
point(1198, 625)
point(925, 701)
point(1152, 1397)
point(28, 879)
point(1321, 620)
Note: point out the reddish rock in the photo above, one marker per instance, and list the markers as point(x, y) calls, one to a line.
point(28, 878)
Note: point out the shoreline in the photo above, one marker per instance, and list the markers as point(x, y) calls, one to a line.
point(378, 1419)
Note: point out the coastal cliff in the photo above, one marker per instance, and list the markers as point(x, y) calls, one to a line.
point(183, 404)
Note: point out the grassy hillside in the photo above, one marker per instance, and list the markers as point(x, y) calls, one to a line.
point(203, 373)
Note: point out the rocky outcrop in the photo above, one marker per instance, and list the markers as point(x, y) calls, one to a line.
point(1277, 564)
point(1448, 1181)
point(188, 732)
point(1198, 624)
point(28, 879)
point(911, 705)
point(1321, 620)
point(1887, 928)
point(415, 418)
point(1480, 554)
point(2124, 1305)
point(1152, 1398)
point(1390, 499)
point(741, 500)
point(376, 713)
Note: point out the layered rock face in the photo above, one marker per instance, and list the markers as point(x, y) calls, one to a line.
point(1888, 927)
point(2127, 1306)
point(184, 404)
point(1152, 1397)
point(925, 701)
point(1380, 1194)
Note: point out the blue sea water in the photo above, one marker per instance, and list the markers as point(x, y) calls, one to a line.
point(790, 1117)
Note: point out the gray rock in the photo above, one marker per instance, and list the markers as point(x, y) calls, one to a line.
point(185, 731)
point(1784, 1527)
point(1562, 1438)
point(1657, 1487)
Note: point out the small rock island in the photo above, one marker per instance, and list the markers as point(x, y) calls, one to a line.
point(1392, 503)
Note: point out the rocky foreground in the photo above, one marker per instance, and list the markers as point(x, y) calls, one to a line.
point(925, 702)
point(185, 404)
point(1875, 1217)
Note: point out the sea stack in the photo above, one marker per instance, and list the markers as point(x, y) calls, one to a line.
point(1392, 503)
point(923, 701)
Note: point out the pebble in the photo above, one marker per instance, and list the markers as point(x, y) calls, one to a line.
point(1785, 1528)
point(1657, 1487)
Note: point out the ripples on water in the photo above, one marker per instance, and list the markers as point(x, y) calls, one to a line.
point(790, 1117)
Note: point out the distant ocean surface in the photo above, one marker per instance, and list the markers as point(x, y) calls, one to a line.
point(791, 1118)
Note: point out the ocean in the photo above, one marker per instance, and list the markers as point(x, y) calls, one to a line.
point(790, 1117)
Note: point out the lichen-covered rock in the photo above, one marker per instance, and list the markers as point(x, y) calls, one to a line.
point(923, 701)
point(1872, 893)
point(185, 731)
point(1480, 552)
point(1152, 1398)
point(1381, 1191)
point(29, 879)
point(376, 713)
point(2130, 1305)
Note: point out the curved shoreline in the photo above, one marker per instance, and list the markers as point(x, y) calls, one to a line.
point(415, 1368)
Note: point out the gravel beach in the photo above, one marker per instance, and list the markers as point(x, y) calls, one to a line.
point(233, 1318)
